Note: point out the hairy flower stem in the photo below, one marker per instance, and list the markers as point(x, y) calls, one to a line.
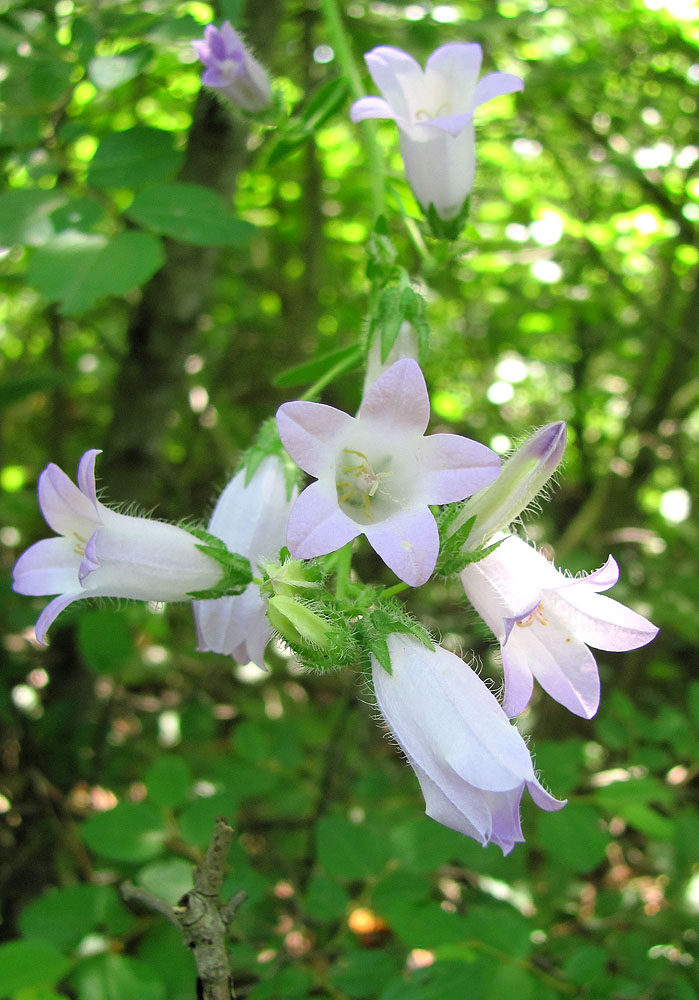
point(343, 50)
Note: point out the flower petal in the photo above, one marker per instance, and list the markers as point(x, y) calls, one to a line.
point(48, 567)
point(86, 474)
point(234, 626)
point(51, 613)
point(399, 78)
point(408, 542)
point(309, 431)
point(495, 85)
point(252, 518)
point(65, 508)
point(440, 167)
point(370, 107)
point(562, 664)
point(452, 467)
point(399, 395)
point(317, 525)
point(544, 799)
point(519, 681)
point(451, 73)
point(600, 621)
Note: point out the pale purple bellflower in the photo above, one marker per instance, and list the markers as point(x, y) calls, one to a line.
point(102, 553)
point(470, 760)
point(231, 69)
point(252, 520)
point(545, 621)
point(377, 473)
point(433, 109)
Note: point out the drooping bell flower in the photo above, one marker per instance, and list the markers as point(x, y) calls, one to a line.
point(102, 553)
point(472, 763)
point(433, 109)
point(251, 519)
point(377, 473)
point(231, 69)
point(545, 622)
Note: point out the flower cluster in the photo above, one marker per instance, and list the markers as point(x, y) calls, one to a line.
point(376, 474)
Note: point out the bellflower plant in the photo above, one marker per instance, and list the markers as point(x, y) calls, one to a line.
point(102, 553)
point(545, 621)
point(377, 472)
point(231, 69)
point(470, 760)
point(251, 518)
point(433, 110)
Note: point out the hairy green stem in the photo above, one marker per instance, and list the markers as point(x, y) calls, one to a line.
point(346, 61)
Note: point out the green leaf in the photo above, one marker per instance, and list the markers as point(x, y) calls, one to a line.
point(63, 917)
point(25, 216)
point(108, 72)
point(77, 213)
point(14, 390)
point(321, 106)
point(161, 947)
point(189, 213)
point(312, 371)
point(105, 641)
point(30, 964)
point(117, 977)
point(168, 780)
point(132, 831)
point(169, 880)
point(573, 837)
point(360, 974)
point(350, 850)
point(325, 899)
point(289, 982)
point(133, 158)
point(77, 269)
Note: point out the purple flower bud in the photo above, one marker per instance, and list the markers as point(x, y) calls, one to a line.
point(231, 69)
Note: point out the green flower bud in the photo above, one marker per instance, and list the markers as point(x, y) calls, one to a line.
point(293, 578)
point(297, 624)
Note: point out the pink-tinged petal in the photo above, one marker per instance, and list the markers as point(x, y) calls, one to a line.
point(408, 542)
point(519, 681)
point(48, 567)
point(399, 395)
point(309, 431)
point(86, 474)
point(562, 664)
point(471, 817)
point(51, 613)
point(201, 48)
point(370, 107)
point(544, 799)
point(65, 508)
point(495, 85)
point(317, 525)
point(232, 41)
point(601, 621)
point(452, 468)
point(398, 76)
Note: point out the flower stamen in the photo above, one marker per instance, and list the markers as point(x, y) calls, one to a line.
point(537, 615)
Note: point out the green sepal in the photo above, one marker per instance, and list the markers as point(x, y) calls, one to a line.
point(463, 559)
point(448, 229)
point(237, 572)
point(451, 545)
point(375, 627)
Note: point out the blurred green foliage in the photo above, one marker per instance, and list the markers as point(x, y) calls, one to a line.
point(573, 294)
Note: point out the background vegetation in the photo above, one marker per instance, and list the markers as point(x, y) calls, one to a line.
point(153, 322)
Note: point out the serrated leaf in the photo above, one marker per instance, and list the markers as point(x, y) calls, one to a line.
point(78, 269)
point(189, 213)
point(133, 158)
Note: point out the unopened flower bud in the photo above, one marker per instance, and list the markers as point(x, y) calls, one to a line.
point(521, 478)
point(297, 624)
point(292, 578)
point(231, 69)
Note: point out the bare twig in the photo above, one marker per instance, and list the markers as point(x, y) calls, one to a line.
point(202, 917)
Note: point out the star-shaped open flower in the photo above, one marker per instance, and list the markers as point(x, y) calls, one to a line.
point(377, 473)
point(102, 553)
point(433, 109)
point(545, 621)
